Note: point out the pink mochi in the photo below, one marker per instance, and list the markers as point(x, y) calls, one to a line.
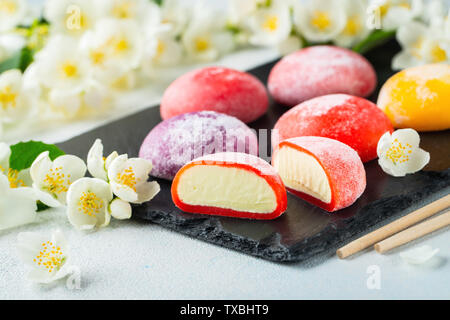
point(236, 93)
point(318, 71)
point(179, 140)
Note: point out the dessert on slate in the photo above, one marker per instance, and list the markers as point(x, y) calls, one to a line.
point(320, 70)
point(230, 184)
point(224, 90)
point(322, 171)
point(178, 140)
point(418, 98)
point(354, 121)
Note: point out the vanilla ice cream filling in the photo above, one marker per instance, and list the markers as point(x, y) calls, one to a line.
point(302, 172)
point(226, 187)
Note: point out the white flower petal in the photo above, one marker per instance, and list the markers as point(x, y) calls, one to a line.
point(321, 20)
point(5, 153)
point(384, 143)
point(27, 251)
point(399, 154)
point(404, 59)
point(39, 168)
point(395, 17)
point(124, 192)
point(55, 177)
point(409, 136)
point(31, 240)
point(120, 209)
point(116, 166)
point(110, 159)
point(17, 207)
point(46, 198)
point(355, 28)
point(419, 159)
point(291, 44)
point(67, 102)
point(25, 177)
point(128, 178)
point(141, 167)
point(87, 203)
point(410, 33)
point(61, 66)
point(4, 183)
point(95, 162)
point(46, 255)
point(13, 16)
point(419, 255)
point(16, 109)
point(148, 191)
point(270, 26)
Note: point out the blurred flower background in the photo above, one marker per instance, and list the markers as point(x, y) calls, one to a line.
point(65, 60)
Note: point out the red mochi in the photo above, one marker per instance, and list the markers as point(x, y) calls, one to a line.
point(205, 192)
point(219, 89)
point(320, 70)
point(344, 171)
point(354, 121)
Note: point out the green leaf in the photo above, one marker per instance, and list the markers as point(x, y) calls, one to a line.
point(19, 60)
point(232, 29)
point(24, 153)
point(158, 2)
point(12, 62)
point(41, 206)
point(27, 57)
point(375, 39)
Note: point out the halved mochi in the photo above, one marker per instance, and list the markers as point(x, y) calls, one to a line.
point(230, 184)
point(322, 171)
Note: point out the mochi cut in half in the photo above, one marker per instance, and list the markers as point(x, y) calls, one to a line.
point(322, 171)
point(230, 184)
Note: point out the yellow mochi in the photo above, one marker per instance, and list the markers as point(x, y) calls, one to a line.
point(418, 98)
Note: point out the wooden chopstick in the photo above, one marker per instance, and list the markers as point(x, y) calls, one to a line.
point(393, 227)
point(413, 233)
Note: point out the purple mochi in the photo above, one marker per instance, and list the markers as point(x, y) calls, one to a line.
point(180, 139)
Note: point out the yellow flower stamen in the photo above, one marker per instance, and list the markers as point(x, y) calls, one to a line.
point(399, 153)
point(128, 178)
point(202, 44)
point(383, 9)
point(97, 57)
point(123, 10)
point(121, 45)
point(90, 204)
point(8, 98)
point(417, 47)
point(69, 70)
point(321, 20)
point(8, 6)
point(50, 257)
point(12, 175)
point(56, 182)
point(160, 48)
point(353, 26)
point(270, 23)
point(438, 54)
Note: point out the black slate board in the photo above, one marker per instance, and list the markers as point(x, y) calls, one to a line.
point(304, 231)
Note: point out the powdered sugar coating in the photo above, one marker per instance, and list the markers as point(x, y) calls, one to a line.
point(224, 90)
point(178, 140)
point(354, 121)
point(342, 165)
point(320, 70)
